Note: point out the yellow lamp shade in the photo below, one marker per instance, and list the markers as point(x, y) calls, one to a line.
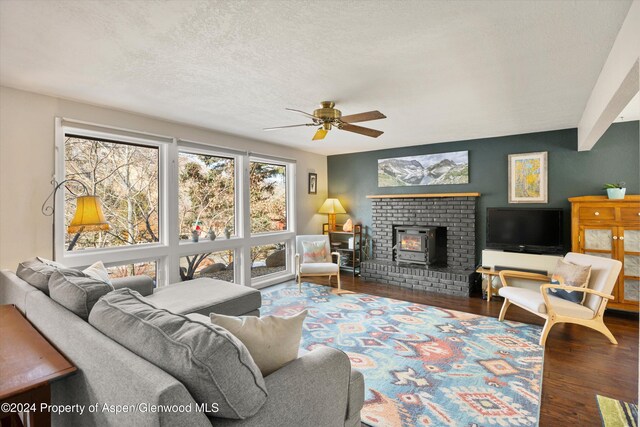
point(332, 206)
point(88, 216)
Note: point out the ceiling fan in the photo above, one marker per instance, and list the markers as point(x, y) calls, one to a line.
point(327, 117)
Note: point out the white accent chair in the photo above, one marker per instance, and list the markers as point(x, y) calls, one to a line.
point(316, 268)
point(535, 299)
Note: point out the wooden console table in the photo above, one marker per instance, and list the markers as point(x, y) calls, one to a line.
point(28, 364)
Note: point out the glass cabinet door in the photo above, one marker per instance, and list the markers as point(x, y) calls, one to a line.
point(630, 257)
point(597, 241)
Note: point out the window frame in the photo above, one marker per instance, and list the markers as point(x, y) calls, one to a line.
point(169, 249)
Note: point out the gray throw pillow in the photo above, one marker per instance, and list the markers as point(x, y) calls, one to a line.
point(211, 363)
point(76, 291)
point(37, 271)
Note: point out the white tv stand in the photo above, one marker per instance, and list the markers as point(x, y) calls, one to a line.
point(515, 260)
point(491, 258)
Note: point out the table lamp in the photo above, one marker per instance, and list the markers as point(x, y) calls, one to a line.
point(331, 207)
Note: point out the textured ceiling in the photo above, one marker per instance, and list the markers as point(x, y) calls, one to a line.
point(440, 70)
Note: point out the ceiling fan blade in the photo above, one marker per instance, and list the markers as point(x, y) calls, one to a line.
point(361, 130)
point(290, 126)
point(302, 112)
point(320, 134)
point(363, 117)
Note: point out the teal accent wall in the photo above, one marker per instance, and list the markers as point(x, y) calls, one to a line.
point(616, 157)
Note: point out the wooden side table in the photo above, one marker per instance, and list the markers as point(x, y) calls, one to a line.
point(28, 364)
point(490, 273)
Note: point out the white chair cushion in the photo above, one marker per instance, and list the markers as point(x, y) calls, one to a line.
point(533, 301)
point(319, 268)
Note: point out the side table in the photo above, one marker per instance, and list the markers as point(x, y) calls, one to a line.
point(28, 364)
point(490, 273)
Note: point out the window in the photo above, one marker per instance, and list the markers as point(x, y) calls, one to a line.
point(216, 265)
point(137, 269)
point(268, 194)
point(268, 259)
point(206, 195)
point(156, 190)
point(125, 177)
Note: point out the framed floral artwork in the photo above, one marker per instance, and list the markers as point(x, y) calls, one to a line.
point(313, 183)
point(528, 178)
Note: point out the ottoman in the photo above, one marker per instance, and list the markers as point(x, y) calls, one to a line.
point(206, 296)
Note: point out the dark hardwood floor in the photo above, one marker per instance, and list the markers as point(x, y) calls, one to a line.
point(578, 362)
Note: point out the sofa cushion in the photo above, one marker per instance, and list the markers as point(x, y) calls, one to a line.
point(211, 363)
point(76, 291)
point(205, 296)
point(315, 251)
point(37, 271)
point(272, 341)
point(570, 274)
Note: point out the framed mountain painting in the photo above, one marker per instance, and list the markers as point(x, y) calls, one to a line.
point(528, 177)
point(427, 169)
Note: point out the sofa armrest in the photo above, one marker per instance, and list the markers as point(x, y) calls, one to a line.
point(312, 390)
point(142, 284)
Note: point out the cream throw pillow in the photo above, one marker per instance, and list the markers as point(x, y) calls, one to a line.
point(272, 341)
point(97, 271)
point(315, 251)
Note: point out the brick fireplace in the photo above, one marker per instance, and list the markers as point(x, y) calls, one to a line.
point(454, 212)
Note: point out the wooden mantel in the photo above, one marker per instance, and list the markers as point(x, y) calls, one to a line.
point(420, 196)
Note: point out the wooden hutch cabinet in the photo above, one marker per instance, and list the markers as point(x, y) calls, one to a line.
point(611, 228)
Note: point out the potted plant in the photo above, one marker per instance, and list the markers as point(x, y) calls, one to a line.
point(195, 234)
point(211, 235)
point(615, 191)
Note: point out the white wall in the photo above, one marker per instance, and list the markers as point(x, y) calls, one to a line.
point(27, 165)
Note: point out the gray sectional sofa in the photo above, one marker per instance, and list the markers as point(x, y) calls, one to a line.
point(318, 388)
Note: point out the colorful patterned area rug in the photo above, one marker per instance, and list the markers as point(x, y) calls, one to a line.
point(616, 413)
point(423, 365)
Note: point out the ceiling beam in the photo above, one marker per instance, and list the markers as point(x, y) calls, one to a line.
point(617, 84)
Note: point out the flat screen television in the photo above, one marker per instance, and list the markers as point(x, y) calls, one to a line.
point(525, 230)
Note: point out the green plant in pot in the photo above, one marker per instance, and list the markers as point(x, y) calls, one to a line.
point(615, 191)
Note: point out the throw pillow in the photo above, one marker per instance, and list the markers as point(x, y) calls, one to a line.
point(315, 251)
point(213, 365)
point(272, 341)
point(98, 271)
point(570, 274)
point(37, 271)
point(76, 291)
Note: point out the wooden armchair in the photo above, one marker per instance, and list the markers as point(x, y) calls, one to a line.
point(316, 268)
point(604, 274)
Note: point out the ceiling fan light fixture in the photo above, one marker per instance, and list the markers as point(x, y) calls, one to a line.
point(327, 117)
point(320, 134)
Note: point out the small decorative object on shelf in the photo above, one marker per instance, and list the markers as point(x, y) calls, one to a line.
point(227, 232)
point(615, 191)
point(211, 235)
point(348, 243)
point(348, 226)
